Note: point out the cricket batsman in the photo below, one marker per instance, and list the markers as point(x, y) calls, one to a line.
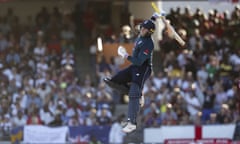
point(131, 79)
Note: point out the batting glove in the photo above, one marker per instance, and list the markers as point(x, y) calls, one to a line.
point(159, 15)
point(122, 52)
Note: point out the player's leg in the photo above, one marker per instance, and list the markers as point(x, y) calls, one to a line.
point(120, 81)
point(133, 108)
point(135, 93)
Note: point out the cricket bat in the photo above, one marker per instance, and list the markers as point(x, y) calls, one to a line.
point(170, 28)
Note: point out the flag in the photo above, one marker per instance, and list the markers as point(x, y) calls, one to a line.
point(83, 134)
point(16, 135)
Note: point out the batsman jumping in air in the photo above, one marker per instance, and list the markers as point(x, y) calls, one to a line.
point(131, 79)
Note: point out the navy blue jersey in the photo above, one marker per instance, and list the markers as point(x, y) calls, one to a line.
point(142, 51)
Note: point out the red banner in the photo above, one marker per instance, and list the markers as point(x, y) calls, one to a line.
point(235, 1)
point(200, 141)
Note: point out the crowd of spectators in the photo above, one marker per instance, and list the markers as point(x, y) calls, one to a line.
point(39, 83)
point(195, 85)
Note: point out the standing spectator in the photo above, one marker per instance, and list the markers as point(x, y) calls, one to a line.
point(46, 115)
point(89, 21)
point(5, 27)
point(56, 14)
point(42, 18)
point(193, 104)
point(208, 104)
point(19, 120)
point(116, 135)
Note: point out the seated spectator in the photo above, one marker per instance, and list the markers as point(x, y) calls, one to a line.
point(4, 44)
point(67, 33)
point(102, 67)
point(91, 118)
point(57, 121)
point(67, 60)
point(54, 44)
point(6, 124)
point(224, 115)
point(13, 57)
point(104, 116)
point(39, 50)
point(34, 119)
point(126, 36)
point(169, 117)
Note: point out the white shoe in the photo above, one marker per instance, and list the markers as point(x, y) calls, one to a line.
point(124, 123)
point(129, 128)
point(141, 101)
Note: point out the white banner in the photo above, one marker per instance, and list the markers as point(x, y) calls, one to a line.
point(181, 134)
point(44, 135)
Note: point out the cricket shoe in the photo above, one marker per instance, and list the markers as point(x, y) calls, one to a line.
point(124, 123)
point(142, 101)
point(129, 127)
point(121, 88)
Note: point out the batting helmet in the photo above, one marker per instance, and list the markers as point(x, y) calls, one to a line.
point(148, 24)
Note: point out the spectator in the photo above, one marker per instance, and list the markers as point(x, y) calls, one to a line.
point(126, 36)
point(93, 140)
point(19, 120)
point(39, 50)
point(224, 115)
point(6, 124)
point(13, 57)
point(46, 115)
point(67, 33)
point(34, 119)
point(116, 135)
point(104, 116)
point(208, 105)
point(169, 117)
point(54, 44)
point(57, 121)
point(193, 104)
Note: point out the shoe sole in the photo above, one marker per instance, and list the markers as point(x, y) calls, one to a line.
point(129, 131)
